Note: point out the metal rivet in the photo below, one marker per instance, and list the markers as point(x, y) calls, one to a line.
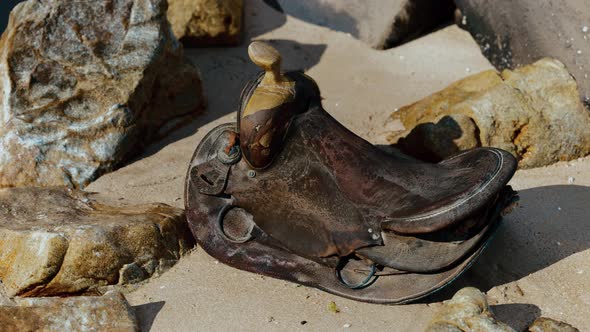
point(251, 173)
point(375, 236)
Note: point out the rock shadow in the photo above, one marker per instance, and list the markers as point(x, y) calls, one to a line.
point(549, 224)
point(517, 315)
point(5, 9)
point(318, 13)
point(146, 314)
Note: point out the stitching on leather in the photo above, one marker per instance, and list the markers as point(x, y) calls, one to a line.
point(463, 201)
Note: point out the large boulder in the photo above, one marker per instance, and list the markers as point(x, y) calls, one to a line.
point(84, 85)
point(109, 312)
point(380, 23)
point(198, 23)
point(512, 33)
point(56, 241)
point(533, 112)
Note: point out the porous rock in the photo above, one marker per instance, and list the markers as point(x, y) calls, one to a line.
point(380, 23)
point(206, 22)
point(84, 85)
point(543, 324)
point(467, 311)
point(109, 312)
point(533, 112)
point(56, 241)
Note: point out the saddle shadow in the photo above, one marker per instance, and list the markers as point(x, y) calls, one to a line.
point(226, 70)
point(146, 314)
point(548, 224)
point(433, 142)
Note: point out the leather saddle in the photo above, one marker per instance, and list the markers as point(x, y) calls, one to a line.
point(289, 192)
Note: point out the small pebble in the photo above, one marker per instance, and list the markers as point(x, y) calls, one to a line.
point(579, 52)
point(468, 69)
point(347, 325)
point(303, 322)
point(559, 208)
point(584, 29)
point(571, 180)
point(332, 307)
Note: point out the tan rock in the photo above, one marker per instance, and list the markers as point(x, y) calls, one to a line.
point(59, 241)
point(543, 324)
point(78, 96)
point(534, 112)
point(206, 22)
point(109, 312)
point(467, 311)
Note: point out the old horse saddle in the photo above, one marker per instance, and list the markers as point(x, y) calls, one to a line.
point(288, 192)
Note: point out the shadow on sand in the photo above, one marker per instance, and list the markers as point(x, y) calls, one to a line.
point(146, 314)
point(225, 71)
point(549, 224)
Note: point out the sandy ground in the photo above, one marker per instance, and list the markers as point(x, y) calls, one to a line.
point(538, 263)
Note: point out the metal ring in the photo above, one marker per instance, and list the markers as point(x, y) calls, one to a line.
point(360, 285)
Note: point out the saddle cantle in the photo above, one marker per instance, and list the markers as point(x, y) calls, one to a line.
point(290, 193)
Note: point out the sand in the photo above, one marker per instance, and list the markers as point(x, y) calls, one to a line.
point(538, 263)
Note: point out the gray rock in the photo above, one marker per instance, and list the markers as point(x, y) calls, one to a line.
point(84, 85)
point(56, 241)
point(380, 23)
point(512, 33)
point(109, 312)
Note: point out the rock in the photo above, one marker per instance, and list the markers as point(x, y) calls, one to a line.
point(380, 23)
point(206, 22)
point(56, 241)
point(543, 324)
point(109, 312)
point(512, 33)
point(534, 112)
point(467, 311)
point(79, 96)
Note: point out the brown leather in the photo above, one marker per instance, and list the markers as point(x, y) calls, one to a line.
point(324, 196)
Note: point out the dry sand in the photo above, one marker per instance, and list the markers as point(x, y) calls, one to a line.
point(538, 263)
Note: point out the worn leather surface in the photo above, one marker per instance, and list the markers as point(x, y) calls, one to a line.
point(328, 195)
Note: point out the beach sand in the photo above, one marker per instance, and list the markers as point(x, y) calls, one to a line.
point(537, 264)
